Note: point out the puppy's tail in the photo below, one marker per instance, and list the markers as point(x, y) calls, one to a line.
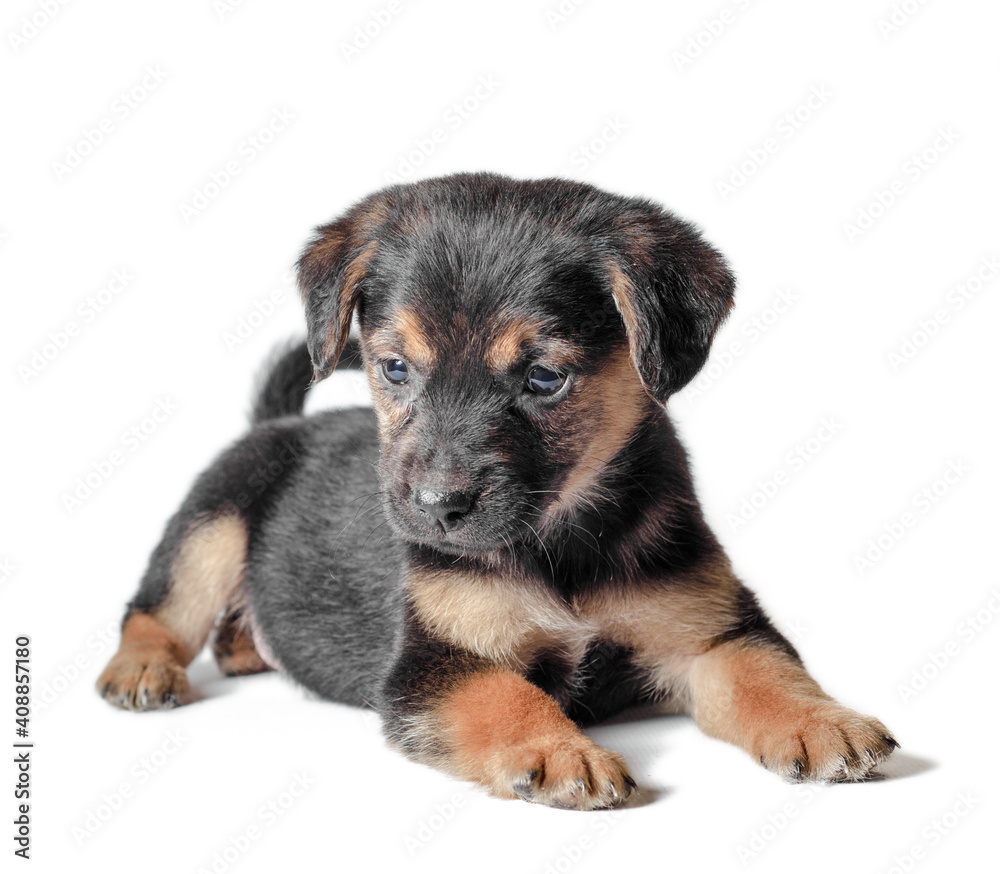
point(285, 379)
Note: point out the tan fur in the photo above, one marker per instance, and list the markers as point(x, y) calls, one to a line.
point(668, 623)
point(148, 669)
point(349, 291)
point(764, 701)
point(144, 634)
point(203, 578)
point(510, 621)
point(505, 620)
point(416, 345)
point(406, 337)
point(622, 292)
point(756, 697)
point(612, 406)
point(242, 658)
point(325, 250)
point(389, 412)
point(234, 649)
point(507, 734)
point(512, 338)
point(505, 349)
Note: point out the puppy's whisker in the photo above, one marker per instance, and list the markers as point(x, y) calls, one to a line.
point(581, 497)
point(363, 497)
point(545, 549)
point(564, 520)
point(361, 512)
point(373, 531)
point(571, 525)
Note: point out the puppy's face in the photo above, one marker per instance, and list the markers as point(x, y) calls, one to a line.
point(516, 336)
point(491, 383)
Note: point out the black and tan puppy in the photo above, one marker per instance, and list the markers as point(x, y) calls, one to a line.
point(509, 545)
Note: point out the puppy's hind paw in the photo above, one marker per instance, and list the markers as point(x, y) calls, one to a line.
point(134, 683)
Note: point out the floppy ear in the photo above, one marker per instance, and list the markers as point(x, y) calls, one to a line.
point(331, 270)
point(673, 290)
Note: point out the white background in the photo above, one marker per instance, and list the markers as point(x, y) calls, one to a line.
point(663, 100)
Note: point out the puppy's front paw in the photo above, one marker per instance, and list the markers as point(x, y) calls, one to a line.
point(822, 740)
point(570, 773)
point(137, 681)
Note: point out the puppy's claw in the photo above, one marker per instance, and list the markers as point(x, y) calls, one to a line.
point(566, 773)
point(797, 770)
point(825, 742)
point(525, 789)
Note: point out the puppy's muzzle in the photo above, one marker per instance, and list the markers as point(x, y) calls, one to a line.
point(443, 511)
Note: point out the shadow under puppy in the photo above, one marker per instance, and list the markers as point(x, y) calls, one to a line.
point(509, 545)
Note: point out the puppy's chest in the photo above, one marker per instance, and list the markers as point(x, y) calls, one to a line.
point(509, 622)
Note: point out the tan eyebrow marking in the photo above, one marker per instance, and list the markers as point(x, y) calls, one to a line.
point(503, 353)
point(506, 349)
point(407, 328)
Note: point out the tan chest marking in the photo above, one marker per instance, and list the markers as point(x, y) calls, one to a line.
point(511, 621)
point(668, 625)
point(504, 620)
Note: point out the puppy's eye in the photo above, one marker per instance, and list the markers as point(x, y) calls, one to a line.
point(543, 381)
point(395, 370)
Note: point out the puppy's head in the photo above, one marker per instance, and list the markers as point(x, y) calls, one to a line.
point(516, 336)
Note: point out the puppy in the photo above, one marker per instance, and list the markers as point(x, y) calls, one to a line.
point(509, 544)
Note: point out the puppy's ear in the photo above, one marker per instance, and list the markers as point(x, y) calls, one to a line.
point(673, 290)
point(331, 271)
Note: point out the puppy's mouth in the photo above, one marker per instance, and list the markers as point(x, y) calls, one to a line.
point(455, 524)
point(452, 543)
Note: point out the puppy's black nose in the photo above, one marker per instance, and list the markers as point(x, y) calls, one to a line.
point(446, 509)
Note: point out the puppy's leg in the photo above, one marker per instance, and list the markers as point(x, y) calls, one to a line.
point(192, 576)
point(197, 569)
point(488, 724)
point(762, 699)
point(504, 733)
point(706, 639)
point(233, 646)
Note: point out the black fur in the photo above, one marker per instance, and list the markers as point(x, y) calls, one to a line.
point(753, 625)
